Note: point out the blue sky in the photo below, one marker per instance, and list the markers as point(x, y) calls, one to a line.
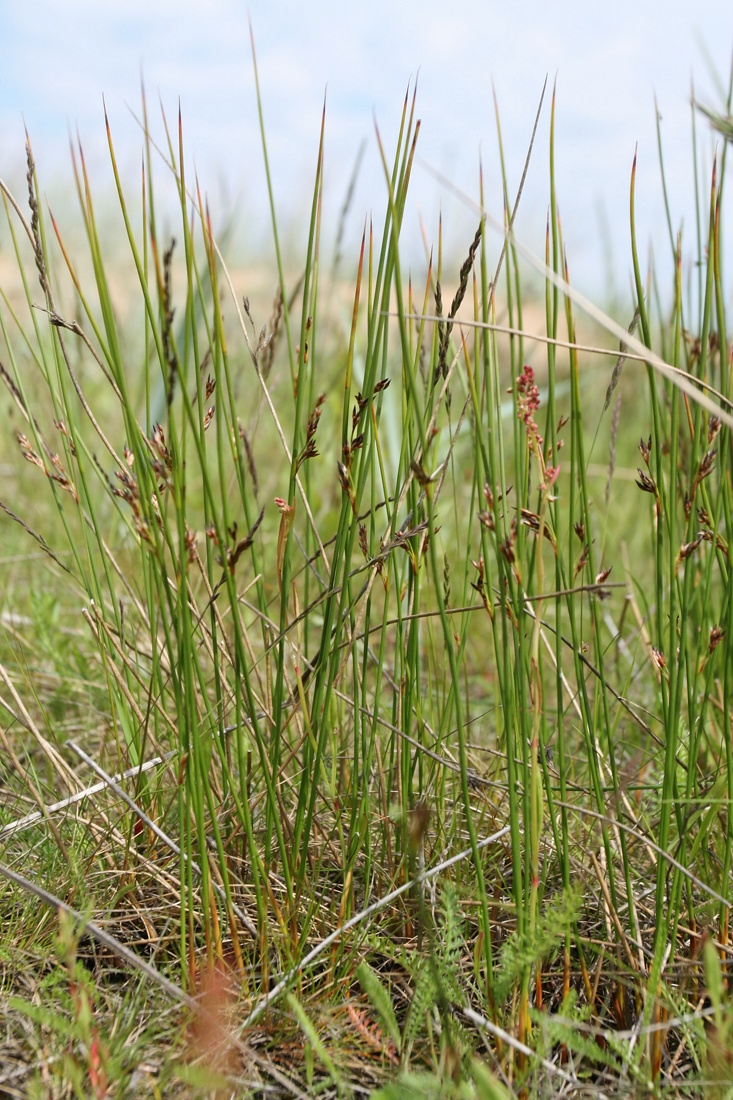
point(59, 57)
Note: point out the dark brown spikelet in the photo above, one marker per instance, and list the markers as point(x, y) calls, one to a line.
point(345, 483)
point(706, 467)
point(487, 517)
point(687, 549)
point(622, 349)
point(190, 545)
point(422, 355)
point(159, 447)
point(612, 449)
point(56, 473)
point(268, 352)
point(235, 551)
point(532, 520)
point(645, 483)
point(250, 457)
point(27, 451)
point(310, 450)
point(59, 475)
point(601, 592)
point(479, 586)
point(720, 543)
point(360, 403)
point(168, 314)
point(714, 426)
point(421, 476)
point(582, 560)
point(129, 492)
point(441, 369)
point(446, 581)
point(439, 305)
point(506, 547)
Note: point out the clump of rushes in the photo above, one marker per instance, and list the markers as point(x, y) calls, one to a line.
point(414, 735)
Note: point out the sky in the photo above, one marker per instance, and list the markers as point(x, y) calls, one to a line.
point(59, 58)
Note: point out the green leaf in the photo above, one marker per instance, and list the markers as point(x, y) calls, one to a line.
point(713, 979)
point(316, 1042)
point(380, 999)
point(488, 1087)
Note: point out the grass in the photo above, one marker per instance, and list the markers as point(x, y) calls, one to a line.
point(366, 686)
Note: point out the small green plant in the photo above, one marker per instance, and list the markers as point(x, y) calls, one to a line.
point(719, 1032)
point(66, 1014)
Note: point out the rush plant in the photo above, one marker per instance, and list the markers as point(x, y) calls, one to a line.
point(382, 683)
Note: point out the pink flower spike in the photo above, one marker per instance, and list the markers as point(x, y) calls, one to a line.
point(551, 476)
point(529, 394)
point(528, 402)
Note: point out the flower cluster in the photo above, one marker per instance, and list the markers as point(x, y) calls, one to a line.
point(528, 402)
